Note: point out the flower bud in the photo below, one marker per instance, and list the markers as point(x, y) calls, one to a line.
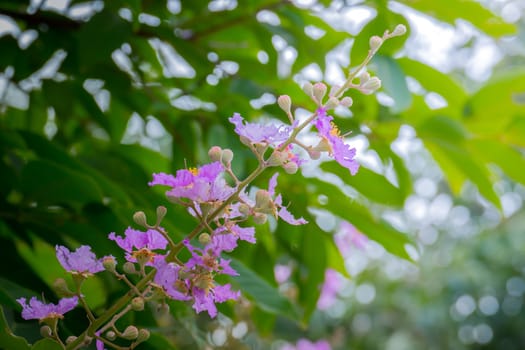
point(227, 156)
point(308, 89)
point(314, 154)
point(46, 332)
point(370, 86)
point(111, 335)
point(129, 268)
point(215, 153)
point(130, 333)
point(143, 335)
point(137, 304)
point(70, 339)
point(163, 308)
point(263, 200)
point(244, 209)
point(375, 42)
point(277, 158)
point(259, 218)
point(60, 287)
point(332, 103)
point(319, 90)
point(346, 102)
point(291, 167)
point(140, 219)
point(204, 238)
point(363, 77)
point(161, 213)
point(400, 29)
point(109, 263)
point(285, 102)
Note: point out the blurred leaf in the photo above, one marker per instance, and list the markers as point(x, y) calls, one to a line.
point(314, 259)
point(509, 159)
point(46, 344)
point(492, 108)
point(393, 81)
point(46, 182)
point(369, 183)
point(450, 10)
point(433, 80)
point(266, 296)
point(358, 215)
point(7, 339)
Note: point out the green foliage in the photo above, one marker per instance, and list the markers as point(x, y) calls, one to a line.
point(74, 164)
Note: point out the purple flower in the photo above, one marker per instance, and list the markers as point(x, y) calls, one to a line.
point(208, 259)
point(195, 283)
point(282, 273)
point(224, 238)
point(199, 185)
point(332, 285)
point(347, 237)
point(333, 143)
point(136, 240)
point(167, 276)
point(258, 133)
point(280, 210)
point(39, 310)
point(205, 299)
point(82, 261)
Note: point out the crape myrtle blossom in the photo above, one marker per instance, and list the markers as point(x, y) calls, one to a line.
point(348, 237)
point(333, 143)
point(258, 133)
point(199, 185)
point(333, 282)
point(277, 205)
point(140, 245)
point(40, 311)
point(82, 261)
point(194, 281)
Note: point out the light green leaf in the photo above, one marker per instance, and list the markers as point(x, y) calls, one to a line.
point(450, 10)
point(509, 159)
point(493, 108)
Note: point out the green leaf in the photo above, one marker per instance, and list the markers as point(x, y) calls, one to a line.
point(370, 184)
point(48, 182)
point(266, 296)
point(450, 10)
point(492, 108)
point(454, 159)
point(393, 81)
point(433, 80)
point(509, 159)
point(47, 344)
point(358, 215)
point(7, 339)
point(314, 259)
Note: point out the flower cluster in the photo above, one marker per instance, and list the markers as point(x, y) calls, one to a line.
point(225, 213)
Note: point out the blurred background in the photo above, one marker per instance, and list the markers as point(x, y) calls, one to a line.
point(423, 249)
